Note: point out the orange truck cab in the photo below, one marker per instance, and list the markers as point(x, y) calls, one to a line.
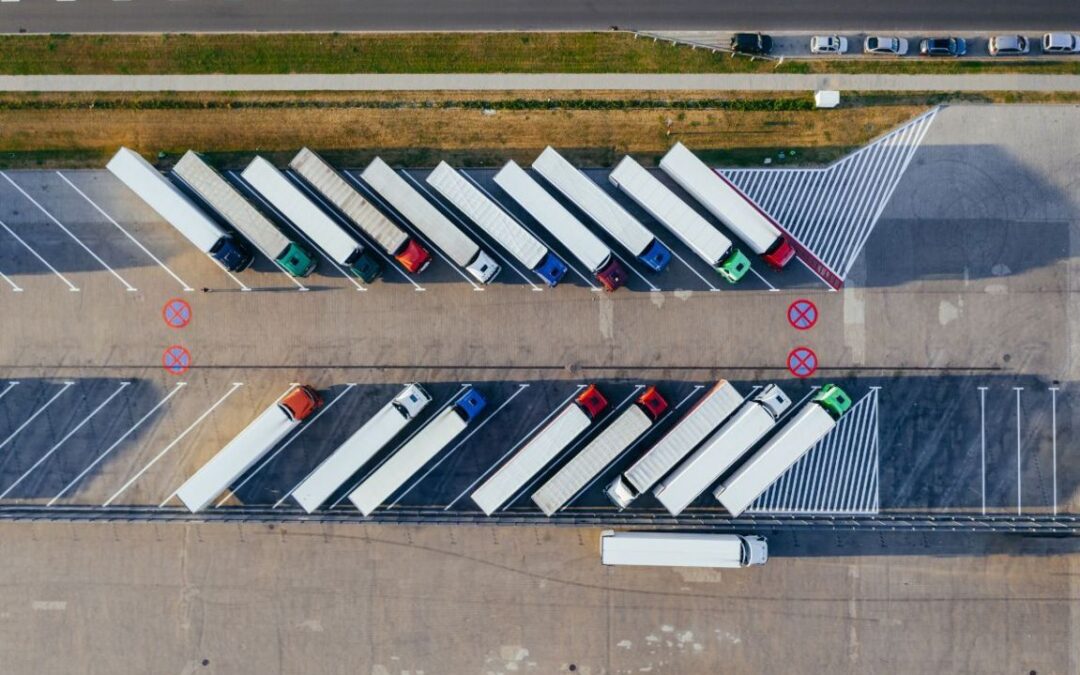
point(299, 403)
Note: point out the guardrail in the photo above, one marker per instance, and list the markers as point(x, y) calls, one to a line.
point(699, 45)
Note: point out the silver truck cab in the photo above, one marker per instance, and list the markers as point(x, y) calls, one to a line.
point(412, 400)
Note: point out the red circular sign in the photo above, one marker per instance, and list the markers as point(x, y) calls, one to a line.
point(802, 362)
point(176, 360)
point(802, 314)
point(177, 313)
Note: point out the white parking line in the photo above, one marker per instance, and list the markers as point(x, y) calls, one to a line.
point(14, 286)
point(71, 286)
point(405, 224)
point(368, 244)
point(450, 213)
point(568, 263)
point(235, 386)
point(80, 425)
point(37, 412)
point(763, 279)
point(982, 422)
point(145, 250)
point(517, 445)
point(102, 456)
point(1019, 502)
point(236, 177)
point(1053, 446)
point(9, 387)
point(284, 445)
point(521, 387)
point(53, 218)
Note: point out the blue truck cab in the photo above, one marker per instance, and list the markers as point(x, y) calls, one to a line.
point(656, 256)
point(551, 269)
point(470, 405)
point(233, 255)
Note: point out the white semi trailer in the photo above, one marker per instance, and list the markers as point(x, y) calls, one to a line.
point(498, 224)
point(425, 217)
point(177, 210)
point(328, 235)
point(258, 438)
point(605, 211)
point(616, 437)
point(359, 448)
point(674, 549)
point(721, 450)
point(791, 442)
point(318, 173)
point(418, 451)
point(683, 221)
point(729, 205)
point(707, 414)
point(245, 218)
point(540, 450)
point(582, 244)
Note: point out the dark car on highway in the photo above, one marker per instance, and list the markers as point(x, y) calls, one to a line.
point(751, 43)
point(943, 47)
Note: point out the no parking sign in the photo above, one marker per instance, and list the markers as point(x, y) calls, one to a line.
point(802, 362)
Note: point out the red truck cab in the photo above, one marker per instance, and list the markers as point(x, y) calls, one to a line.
point(779, 254)
point(299, 403)
point(413, 257)
point(591, 401)
point(612, 276)
point(652, 403)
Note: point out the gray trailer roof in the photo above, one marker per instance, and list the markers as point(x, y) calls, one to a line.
point(420, 212)
point(583, 244)
point(487, 215)
point(592, 199)
point(162, 196)
point(593, 458)
point(231, 205)
point(670, 211)
point(301, 211)
point(329, 183)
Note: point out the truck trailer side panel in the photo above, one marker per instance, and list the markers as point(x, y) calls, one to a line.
point(531, 459)
point(214, 477)
point(592, 459)
point(673, 549)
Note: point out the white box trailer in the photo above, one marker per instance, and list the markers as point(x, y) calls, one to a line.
point(616, 437)
point(728, 204)
point(676, 215)
point(418, 451)
point(674, 549)
point(425, 217)
point(786, 447)
point(706, 415)
point(227, 201)
point(346, 198)
point(509, 234)
point(241, 453)
point(721, 450)
point(359, 448)
point(605, 211)
point(177, 210)
point(294, 205)
point(582, 244)
point(539, 451)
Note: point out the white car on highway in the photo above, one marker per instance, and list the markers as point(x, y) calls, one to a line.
point(828, 44)
point(885, 44)
point(1061, 43)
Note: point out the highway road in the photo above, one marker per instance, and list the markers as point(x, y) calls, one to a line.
point(114, 16)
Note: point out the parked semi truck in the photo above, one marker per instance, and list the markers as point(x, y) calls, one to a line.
point(177, 210)
point(418, 451)
point(721, 450)
point(498, 224)
point(582, 244)
point(601, 451)
point(345, 198)
point(258, 438)
point(676, 215)
point(706, 415)
point(425, 217)
point(294, 205)
point(729, 205)
point(359, 448)
point(674, 549)
point(605, 211)
point(791, 442)
point(540, 450)
point(223, 198)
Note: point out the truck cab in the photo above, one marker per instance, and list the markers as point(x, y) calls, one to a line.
point(470, 404)
point(834, 399)
point(734, 266)
point(656, 257)
point(233, 255)
point(755, 550)
point(779, 254)
point(652, 403)
point(413, 257)
point(612, 275)
point(364, 265)
point(299, 403)
point(551, 269)
point(591, 401)
point(297, 260)
point(483, 267)
point(412, 400)
point(773, 400)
